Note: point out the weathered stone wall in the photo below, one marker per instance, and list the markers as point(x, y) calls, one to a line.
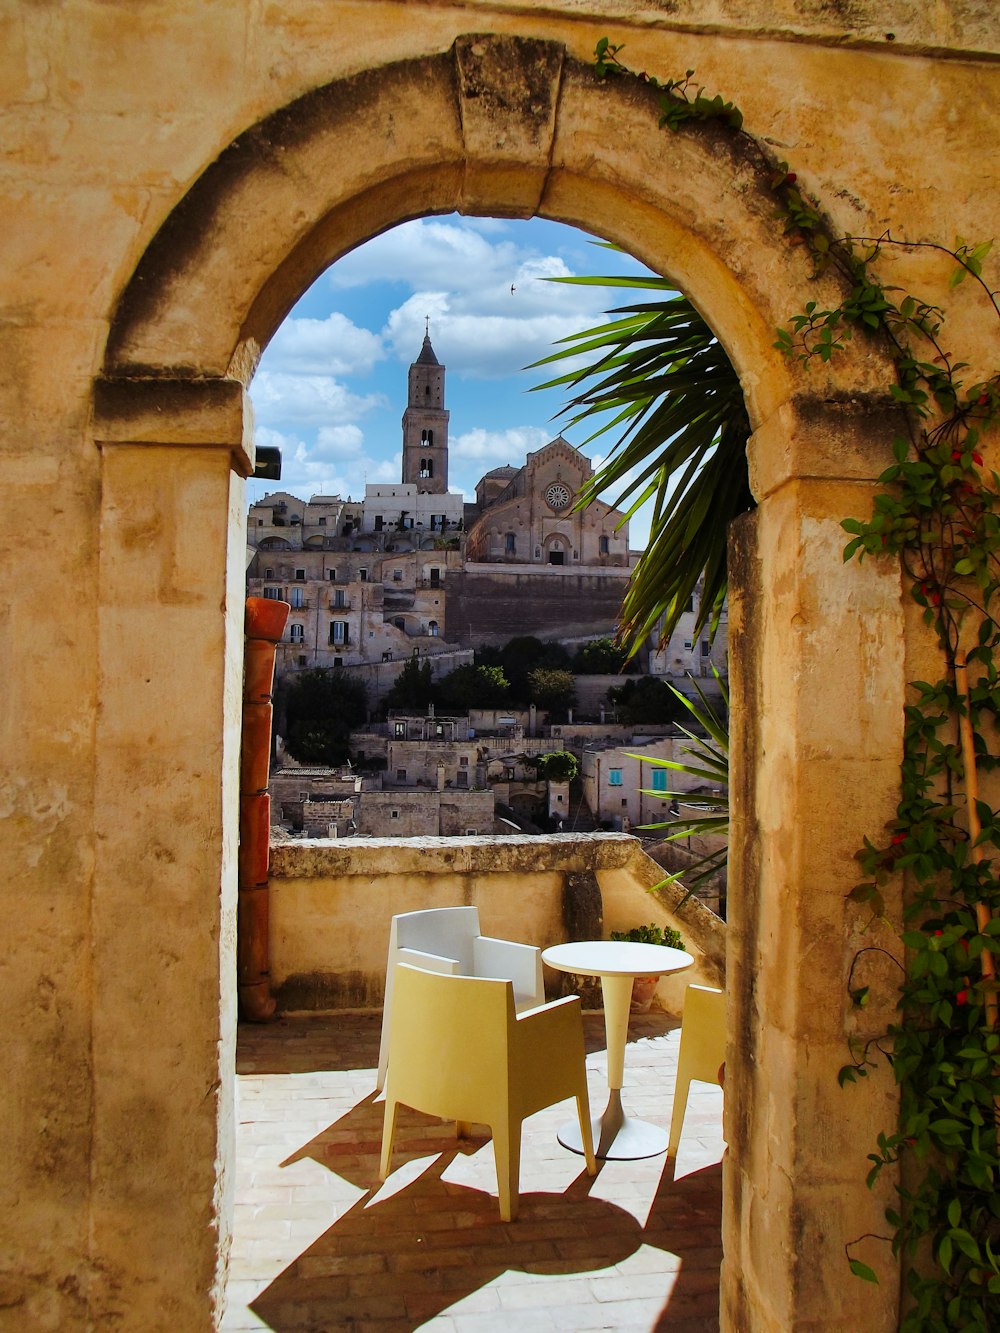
point(331, 903)
point(492, 607)
point(173, 178)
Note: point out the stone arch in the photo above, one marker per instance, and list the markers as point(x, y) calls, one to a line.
point(512, 126)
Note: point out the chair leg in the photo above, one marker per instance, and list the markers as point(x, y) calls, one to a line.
point(388, 1136)
point(677, 1114)
point(383, 1054)
point(586, 1131)
point(507, 1153)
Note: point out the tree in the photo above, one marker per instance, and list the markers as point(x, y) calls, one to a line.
point(660, 373)
point(413, 688)
point(646, 699)
point(321, 708)
point(552, 689)
point(473, 686)
point(521, 655)
point(556, 766)
point(599, 657)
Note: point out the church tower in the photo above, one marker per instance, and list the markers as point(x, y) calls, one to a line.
point(425, 425)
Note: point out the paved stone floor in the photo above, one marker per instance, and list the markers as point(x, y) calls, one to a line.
point(319, 1246)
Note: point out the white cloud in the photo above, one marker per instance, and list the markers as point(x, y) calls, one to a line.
point(280, 397)
point(496, 448)
point(331, 346)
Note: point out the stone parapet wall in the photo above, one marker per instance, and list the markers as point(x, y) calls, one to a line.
point(331, 903)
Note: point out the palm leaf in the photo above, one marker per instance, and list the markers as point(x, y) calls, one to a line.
point(657, 375)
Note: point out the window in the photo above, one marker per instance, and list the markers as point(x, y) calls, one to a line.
point(338, 661)
point(464, 761)
point(432, 628)
point(659, 779)
point(510, 543)
point(302, 659)
point(427, 467)
point(322, 522)
point(400, 774)
point(339, 597)
point(387, 656)
point(688, 644)
point(260, 523)
point(339, 631)
point(461, 779)
point(508, 774)
point(273, 593)
point(605, 546)
point(399, 729)
point(614, 777)
point(438, 730)
point(298, 634)
point(269, 573)
point(435, 578)
point(559, 799)
point(471, 832)
point(331, 574)
point(624, 802)
point(393, 814)
point(397, 576)
point(363, 575)
point(399, 622)
point(297, 599)
point(379, 522)
point(300, 575)
point(706, 647)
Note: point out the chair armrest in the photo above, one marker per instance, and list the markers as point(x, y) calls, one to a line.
point(518, 963)
point(430, 962)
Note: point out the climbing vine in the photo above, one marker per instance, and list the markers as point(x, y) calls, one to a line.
point(938, 512)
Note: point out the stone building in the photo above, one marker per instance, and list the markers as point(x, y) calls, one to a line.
point(175, 176)
point(412, 568)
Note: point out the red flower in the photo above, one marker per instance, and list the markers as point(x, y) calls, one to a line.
point(939, 932)
point(897, 838)
point(791, 178)
point(977, 459)
point(956, 455)
point(984, 398)
point(962, 997)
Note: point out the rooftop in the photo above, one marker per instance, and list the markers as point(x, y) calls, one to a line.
point(318, 1245)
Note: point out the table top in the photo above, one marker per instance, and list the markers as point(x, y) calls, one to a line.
point(616, 958)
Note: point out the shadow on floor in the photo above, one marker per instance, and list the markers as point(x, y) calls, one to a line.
point(393, 1262)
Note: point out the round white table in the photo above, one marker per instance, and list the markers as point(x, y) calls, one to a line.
point(617, 963)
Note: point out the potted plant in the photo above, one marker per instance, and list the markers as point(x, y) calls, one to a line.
point(644, 988)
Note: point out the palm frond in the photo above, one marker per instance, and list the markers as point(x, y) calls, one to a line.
point(657, 375)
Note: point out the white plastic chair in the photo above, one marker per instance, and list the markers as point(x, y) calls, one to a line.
point(447, 940)
point(458, 1050)
point(702, 1051)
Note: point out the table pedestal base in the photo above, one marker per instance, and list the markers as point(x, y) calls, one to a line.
point(617, 1136)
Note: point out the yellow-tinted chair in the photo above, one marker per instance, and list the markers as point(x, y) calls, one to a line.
point(702, 1050)
point(447, 939)
point(458, 1050)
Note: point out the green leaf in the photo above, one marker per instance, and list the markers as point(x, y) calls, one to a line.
point(863, 1271)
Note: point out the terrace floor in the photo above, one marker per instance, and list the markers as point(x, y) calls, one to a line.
point(319, 1246)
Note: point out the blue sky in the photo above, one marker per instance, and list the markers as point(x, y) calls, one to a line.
point(331, 386)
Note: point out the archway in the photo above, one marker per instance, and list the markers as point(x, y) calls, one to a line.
point(501, 125)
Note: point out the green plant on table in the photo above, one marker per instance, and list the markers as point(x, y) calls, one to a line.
point(651, 934)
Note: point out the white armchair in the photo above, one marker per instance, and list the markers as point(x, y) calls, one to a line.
point(447, 940)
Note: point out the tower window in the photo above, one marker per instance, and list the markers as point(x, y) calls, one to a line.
point(427, 437)
point(427, 467)
point(604, 546)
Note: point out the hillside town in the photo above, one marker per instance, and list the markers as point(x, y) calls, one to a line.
point(414, 583)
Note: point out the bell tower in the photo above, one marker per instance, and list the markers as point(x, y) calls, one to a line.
point(425, 424)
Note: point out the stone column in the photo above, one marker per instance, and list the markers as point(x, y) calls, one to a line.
point(171, 595)
point(818, 664)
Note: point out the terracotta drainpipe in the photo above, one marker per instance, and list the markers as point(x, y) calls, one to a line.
point(264, 626)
